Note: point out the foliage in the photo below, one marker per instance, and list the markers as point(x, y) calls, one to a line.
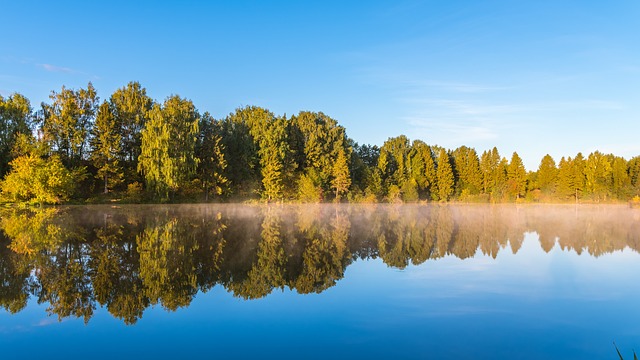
point(168, 144)
point(67, 123)
point(180, 155)
point(105, 147)
point(38, 180)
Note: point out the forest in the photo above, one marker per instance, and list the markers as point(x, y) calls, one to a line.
point(130, 148)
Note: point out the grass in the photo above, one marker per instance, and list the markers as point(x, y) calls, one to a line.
point(635, 357)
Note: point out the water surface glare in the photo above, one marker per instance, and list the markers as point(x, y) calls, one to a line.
point(320, 281)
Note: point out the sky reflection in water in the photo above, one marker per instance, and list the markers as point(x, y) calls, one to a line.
point(348, 281)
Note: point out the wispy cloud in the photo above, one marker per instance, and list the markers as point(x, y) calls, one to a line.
point(47, 321)
point(54, 68)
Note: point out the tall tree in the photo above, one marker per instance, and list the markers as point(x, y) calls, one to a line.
point(547, 175)
point(210, 154)
point(621, 182)
point(467, 171)
point(67, 123)
point(597, 173)
point(444, 177)
point(571, 177)
point(167, 157)
point(422, 167)
point(489, 166)
point(15, 119)
point(275, 158)
point(130, 105)
point(105, 147)
point(320, 139)
point(516, 176)
point(341, 178)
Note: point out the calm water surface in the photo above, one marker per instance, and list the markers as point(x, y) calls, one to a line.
point(222, 281)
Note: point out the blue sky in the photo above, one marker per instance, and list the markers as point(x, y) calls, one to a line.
point(534, 77)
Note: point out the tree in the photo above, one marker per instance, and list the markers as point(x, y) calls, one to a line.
point(43, 181)
point(597, 174)
point(130, 105)
point(422, 168)
point(466, 166)
point(393, 160)
point(571, 177)
point(516, 176)
point(341, 178)
point(316, 140)
point(547, 175)
point(275, 158)
point(444, 177)
point(168, 141)
point(210, 154)
point(489, 166)
point(621, 182)
point(105, 147)
point(67, 123)
point(15, 119)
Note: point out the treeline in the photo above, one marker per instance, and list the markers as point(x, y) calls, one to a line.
point(131, 148)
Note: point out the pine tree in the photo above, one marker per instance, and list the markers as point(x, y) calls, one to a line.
point(444, 177)
point(516, 176)
point(547, 175)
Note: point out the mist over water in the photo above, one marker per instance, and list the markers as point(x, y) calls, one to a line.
point(536, 281)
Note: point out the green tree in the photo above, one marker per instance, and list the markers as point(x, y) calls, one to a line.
point(621, 182)
point(422, 167)
point(39, 180)
point(547, 175)
point(490, 168)
point(467, 171)
point(597, 174)
point(67, 123)
point(444, 177)
point(634, 174)
point(341, 178)
point(516, 176)
point(275, 159)
point(168, 142)
point(210, 153)
point(316, 140)
point(105, 147)
point(130, 106)
point(571, 177)
point(15, 119)
point(393, 160)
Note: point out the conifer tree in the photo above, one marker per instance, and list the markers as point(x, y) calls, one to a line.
point(444, 177)
point(547, 175)
point(516, 176)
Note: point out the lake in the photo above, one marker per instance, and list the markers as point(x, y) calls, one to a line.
point(320, 281)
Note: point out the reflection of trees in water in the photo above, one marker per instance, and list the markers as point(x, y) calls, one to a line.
point(128, 259)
